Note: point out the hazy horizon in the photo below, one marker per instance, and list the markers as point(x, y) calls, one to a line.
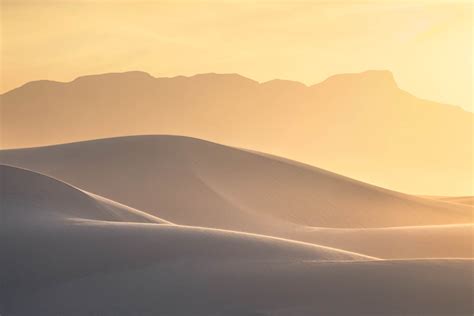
point(316, 124)
point(427, 45)
point(224, 74)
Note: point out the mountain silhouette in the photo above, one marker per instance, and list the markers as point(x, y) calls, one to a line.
point(361, 125)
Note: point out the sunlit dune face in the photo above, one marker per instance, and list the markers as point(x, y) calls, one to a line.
point(427, 44)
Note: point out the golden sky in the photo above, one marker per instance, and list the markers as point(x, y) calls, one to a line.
point(426, 44)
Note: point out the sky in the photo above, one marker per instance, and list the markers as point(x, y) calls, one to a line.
point(426, 44)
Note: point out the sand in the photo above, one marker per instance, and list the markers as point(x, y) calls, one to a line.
point(250, 288)
point(32, 197)
point(193, 182)
point(431, 241)
point(468, 200)
point(90, 256)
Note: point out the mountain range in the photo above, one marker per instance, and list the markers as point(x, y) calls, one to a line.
point(361, 125)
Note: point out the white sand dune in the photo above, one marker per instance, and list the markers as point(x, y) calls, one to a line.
point(431, 241)
point(36, 198)
point(193, 182)
point(468, 200)
point(250, 287)
point(84, 258)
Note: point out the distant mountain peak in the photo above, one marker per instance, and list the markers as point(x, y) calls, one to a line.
point(132, 75)
point(385, 76)
point(281, 83)
point(373, 79)
point(226, 77)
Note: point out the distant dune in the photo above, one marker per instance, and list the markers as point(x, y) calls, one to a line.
point(468, 200)
point(431, 241)
point(360, 125)
point(192, 182)
point(83, 256)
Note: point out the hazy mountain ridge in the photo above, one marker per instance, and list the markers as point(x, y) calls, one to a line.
point(361, 125)
point(368, 79)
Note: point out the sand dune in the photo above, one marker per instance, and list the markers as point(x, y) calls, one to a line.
point(30, 199)
point(251, 288)
point(372, 131)
point(193, 182)
point(468, 200)
point(36, 198)
point(432, 241)
point(84, 259)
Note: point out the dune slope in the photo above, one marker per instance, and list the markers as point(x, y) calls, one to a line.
point(33, 197)
point(32, 200)
point(468, 200)
point(248, 287)
point(431, 241)
point(192, 182)
point(65, 263)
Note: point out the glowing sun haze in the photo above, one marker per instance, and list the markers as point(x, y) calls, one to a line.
point(427, 45)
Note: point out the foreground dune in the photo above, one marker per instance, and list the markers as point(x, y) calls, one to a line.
point(193, 182)
point(249, 287)
point(33, 200)
point(84, 258)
